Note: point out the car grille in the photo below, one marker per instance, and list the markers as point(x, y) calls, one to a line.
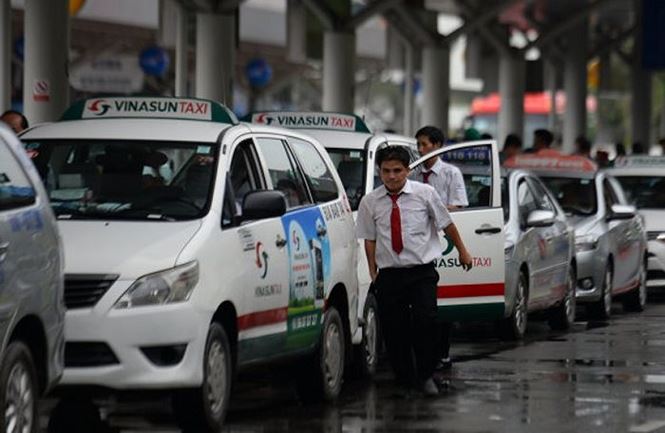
point(84, 290)
point(652, 236)
point(94, 354)
point(655, 274)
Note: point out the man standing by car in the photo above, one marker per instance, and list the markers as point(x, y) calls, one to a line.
point(399, 222)
point(448, 181)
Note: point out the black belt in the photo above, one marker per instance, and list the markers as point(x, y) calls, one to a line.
point(413, 268)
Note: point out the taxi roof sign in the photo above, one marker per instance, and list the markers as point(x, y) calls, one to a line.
point(309, 120)
point(140, 107)
point(551, 161)
point(642, 161)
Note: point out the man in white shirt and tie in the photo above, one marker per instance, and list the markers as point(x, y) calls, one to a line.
point(399, 222)
point(448, 181)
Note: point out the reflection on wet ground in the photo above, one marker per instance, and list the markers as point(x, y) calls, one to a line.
point(598, 377)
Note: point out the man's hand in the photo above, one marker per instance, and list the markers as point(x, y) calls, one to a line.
point(373, 273)
point(466, 260)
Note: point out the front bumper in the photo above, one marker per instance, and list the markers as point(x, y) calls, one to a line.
point(656, 264)
point(129, 334)
point(590, 272)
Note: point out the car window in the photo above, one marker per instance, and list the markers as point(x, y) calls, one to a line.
point(526, 201)
point(610, 196)
point(126, 179)
point(542, 198)
point(15, 187)
point(284, 173)
point(476, 167)
point(645, 192)
point(320, 180)
point(575, 196)
point(243, 177)
point(350, 165)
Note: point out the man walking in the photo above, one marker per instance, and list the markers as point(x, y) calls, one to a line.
point(448, 181)
point(399, 222)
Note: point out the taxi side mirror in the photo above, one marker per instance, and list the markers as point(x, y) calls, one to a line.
point(262, 204)
point(540, 218)
point(621, 212)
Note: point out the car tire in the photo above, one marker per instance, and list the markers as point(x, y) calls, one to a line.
point(602, 308)
point(514, 326)
point(321, 378)
point(562, 316)
point(636, 300)
point(203, 409)
point(366, 354)
point(19, 392)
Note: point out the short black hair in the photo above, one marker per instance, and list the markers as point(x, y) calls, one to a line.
point(393, 153)
point(544, 135)
point(486, 136)
point(583, 145)
point(24, 120)
point(433, 134)
point(513, 140)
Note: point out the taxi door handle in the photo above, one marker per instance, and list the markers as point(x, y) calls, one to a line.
point(488, 230)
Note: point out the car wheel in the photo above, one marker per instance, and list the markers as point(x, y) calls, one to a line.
point(636, 300)
point(563, 315)
point(366, 354)
point(321, 379)
point(18, 390)
point(513, 327)
point(204, 408)
point(602, 308)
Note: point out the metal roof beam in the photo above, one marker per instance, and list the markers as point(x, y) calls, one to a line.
point(496, 40)
point(322, 12)
point(471, 24)
point(374, 8)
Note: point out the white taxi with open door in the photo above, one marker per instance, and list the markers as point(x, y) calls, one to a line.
point(479, 294)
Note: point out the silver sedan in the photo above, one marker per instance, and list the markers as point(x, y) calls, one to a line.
point(539, 253)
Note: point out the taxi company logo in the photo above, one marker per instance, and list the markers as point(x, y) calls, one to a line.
point(98, 107)
point(450, 262)
point(261, 259)
point(264, 119)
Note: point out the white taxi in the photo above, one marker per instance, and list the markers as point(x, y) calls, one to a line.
point(352, 148)
point(643, 181)
point(195, 246)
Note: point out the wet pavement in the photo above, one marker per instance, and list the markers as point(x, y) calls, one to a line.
point(597, 377)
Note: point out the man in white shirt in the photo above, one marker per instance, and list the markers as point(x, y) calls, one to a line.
point(399, 222)
point(448, 181)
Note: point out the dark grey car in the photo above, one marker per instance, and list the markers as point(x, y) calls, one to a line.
point(32, 309)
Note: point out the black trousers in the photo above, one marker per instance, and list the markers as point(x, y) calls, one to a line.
point(407, 310)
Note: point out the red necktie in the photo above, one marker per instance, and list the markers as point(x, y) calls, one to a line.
point(426, 175)
point(396, 225)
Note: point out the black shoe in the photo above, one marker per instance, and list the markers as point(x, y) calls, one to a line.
point(429, 388)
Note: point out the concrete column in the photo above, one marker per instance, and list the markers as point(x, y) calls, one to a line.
point(574, 83)
point(551, 78)
point(215, 56)
point(46, 87)
point(436, 87)
point(5, 55)
point(296, 32)
point(409, 74)
point(605, 134)
point(511, 92)
point(339, 52)
point(395, 51)
point(181, 52)
point(641, 91)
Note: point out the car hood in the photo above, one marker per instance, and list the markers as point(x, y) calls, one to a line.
point(583, 224)
point(654, 220)
point(129, 249)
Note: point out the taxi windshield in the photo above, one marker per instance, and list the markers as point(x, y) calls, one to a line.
point(645, 192)
point(126, 179)
point(350, 165)
point(576, 196)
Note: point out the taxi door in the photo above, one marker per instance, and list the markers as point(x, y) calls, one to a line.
point(477, 294)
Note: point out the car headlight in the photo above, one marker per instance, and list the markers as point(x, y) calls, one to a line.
point(585, 243)
point(165, 287)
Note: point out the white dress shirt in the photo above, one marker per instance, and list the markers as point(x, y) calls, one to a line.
point(422, 215)
point(447, 180)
